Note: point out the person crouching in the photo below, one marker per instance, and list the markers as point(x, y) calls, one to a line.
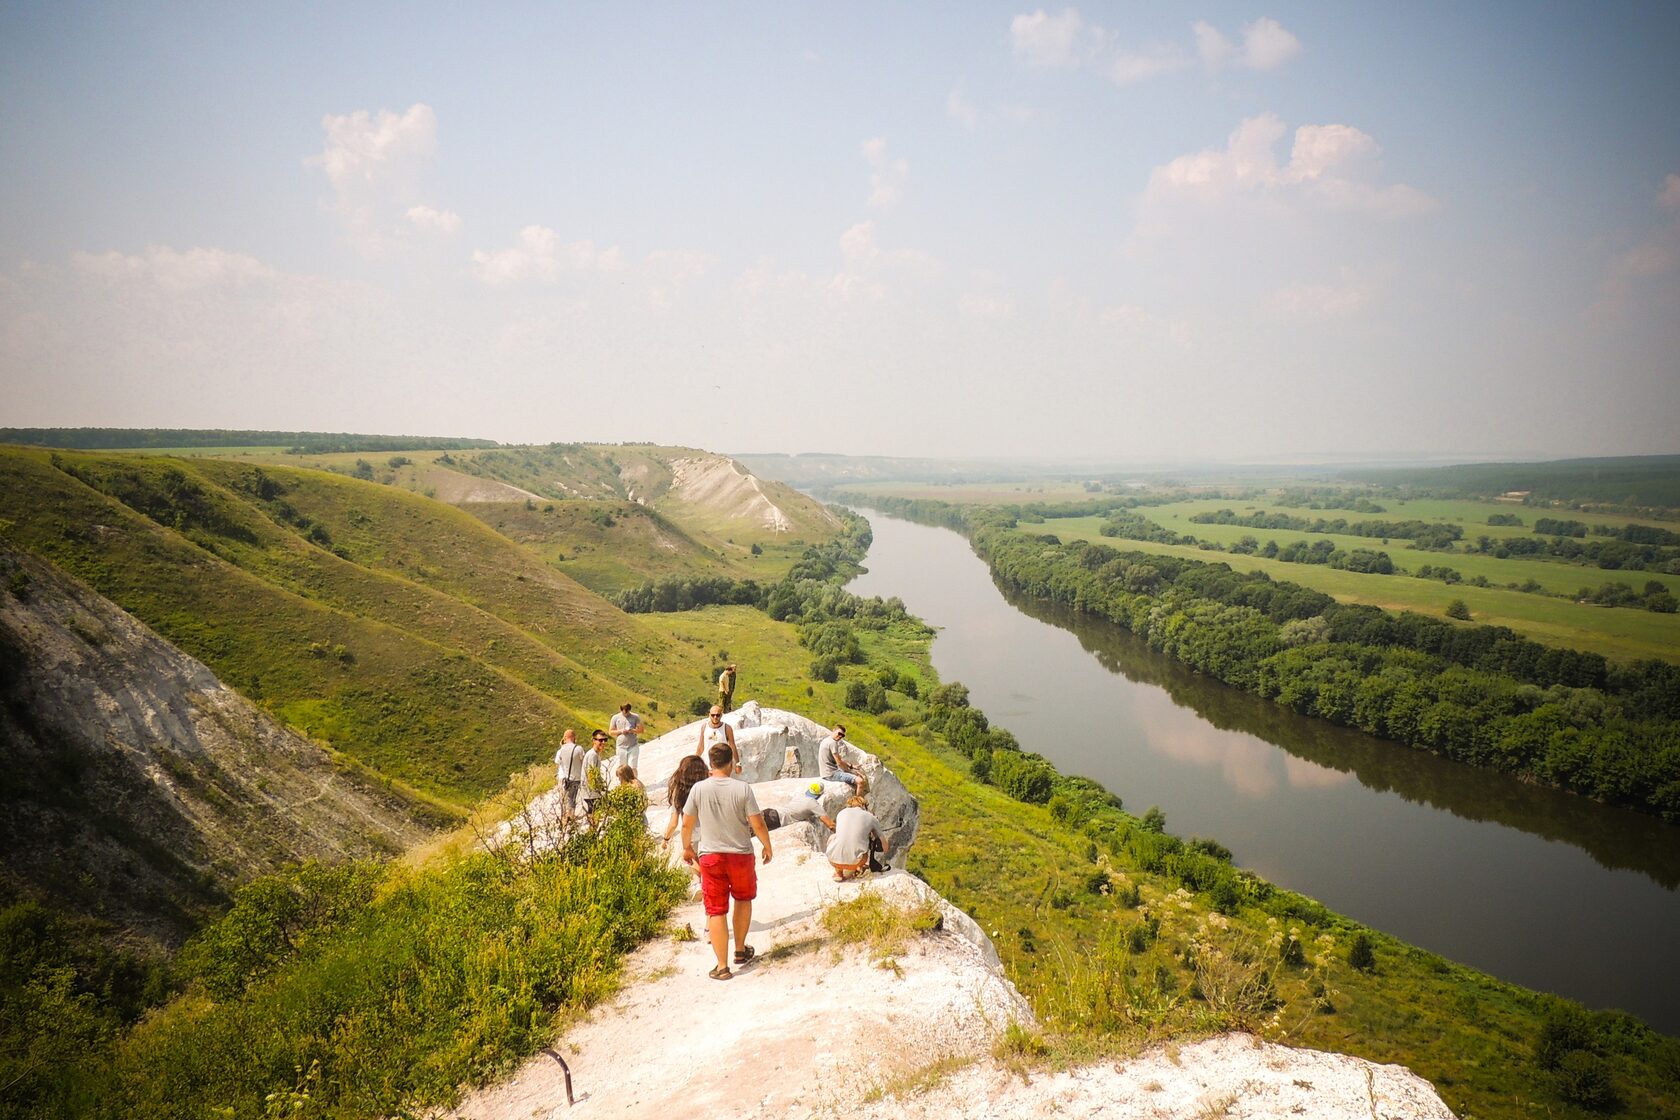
point(848, 849)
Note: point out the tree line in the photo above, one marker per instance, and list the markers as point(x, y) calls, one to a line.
point(1422, 534)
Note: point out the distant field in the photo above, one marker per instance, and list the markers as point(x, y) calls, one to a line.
point(1620, 633)
point(197, 452)
point(978, 493)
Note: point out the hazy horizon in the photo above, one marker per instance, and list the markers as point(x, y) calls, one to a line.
point(1221, 234)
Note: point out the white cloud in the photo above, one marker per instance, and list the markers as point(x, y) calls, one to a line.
point(886, 174)
point(1329, 166)
point(959, 108)
point(177, 270)
point(1127, 67)
point(1315, 301)
point(1267, 45)
point(1212, 46)
point(539, 255)
point(1046, 40)
point(1670, 193)
point(437, 221)
point(1068, 40)
point(979, 305)
point(372, 161)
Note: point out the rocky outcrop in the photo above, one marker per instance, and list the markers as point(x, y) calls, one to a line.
point(778, 745)
point(137, 786)
point(814, 1028)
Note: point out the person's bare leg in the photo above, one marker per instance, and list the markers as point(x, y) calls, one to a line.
point(717, 925)
point(743, 919)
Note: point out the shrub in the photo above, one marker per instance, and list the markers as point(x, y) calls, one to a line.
point(1360, 955)
point(894, 720)
point(1154, 820)
point(857, 695)
point(1584, 1079)
point(699, 706)
point(825, 669)
point(1459, 609)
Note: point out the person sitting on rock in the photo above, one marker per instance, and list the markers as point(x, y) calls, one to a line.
point(626, 776)
point(807, 805)
point(848, 850)
point(833, 765)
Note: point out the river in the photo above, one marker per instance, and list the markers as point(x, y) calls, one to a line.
point(1537, 887)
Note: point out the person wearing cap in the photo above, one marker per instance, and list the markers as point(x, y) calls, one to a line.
point(726, 687)
point(807, 805)
point(627, 725)
point(714, 731)
point(832, 764)
point(848, 849)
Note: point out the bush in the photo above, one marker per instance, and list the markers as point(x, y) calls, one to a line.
point(857, 696)
point(825, 669)
point(1584, 1079)
point(699, 706)
point(1154, 820)
point(1360, 956)
point(894, 720)
point(1459, 609)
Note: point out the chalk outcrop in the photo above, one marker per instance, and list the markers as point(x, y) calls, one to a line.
point(813, 1029)
point(139, 787)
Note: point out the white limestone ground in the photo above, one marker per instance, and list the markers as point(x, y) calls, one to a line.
point(812, 1030)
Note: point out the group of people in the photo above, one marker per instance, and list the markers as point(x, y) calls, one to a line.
point(718, 816)
point(583, 772)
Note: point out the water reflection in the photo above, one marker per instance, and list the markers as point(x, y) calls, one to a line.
point(1325, 755)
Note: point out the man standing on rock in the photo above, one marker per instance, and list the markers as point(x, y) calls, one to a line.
point(627, 725)
point(726, 687)
point(728, 816)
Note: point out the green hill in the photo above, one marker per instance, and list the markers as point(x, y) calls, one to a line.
point(399, 630)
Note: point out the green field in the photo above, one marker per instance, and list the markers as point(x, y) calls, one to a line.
point(1615, 632)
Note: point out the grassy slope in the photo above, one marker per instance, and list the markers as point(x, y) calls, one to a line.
point(433, 689)
point(1022, 874)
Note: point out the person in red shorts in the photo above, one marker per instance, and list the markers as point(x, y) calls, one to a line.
point(728, 817)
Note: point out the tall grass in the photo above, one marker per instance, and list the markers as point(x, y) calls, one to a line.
point(445, 977)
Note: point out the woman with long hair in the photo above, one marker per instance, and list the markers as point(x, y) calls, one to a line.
point(690, 771)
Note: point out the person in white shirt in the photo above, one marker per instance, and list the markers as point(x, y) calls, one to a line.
point(715, 731)
point(569, 765)
point(627, 725)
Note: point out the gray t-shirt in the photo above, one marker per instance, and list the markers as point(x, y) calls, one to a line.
point(802, 808)
point(627, 728)
point(826, 764)
point(852, 830)
point(721, 807)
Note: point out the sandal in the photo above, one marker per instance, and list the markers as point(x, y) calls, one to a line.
point(743, 954)
point(721, 972)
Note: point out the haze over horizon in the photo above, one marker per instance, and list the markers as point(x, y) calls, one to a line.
point(1223, 232)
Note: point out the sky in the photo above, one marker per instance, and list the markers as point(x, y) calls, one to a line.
point(1228, 230)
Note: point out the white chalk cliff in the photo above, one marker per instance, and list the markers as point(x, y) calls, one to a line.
point(813, 1029)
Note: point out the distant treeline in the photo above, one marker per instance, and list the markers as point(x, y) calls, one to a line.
point(1645, 481)
point(1424, 534)
point(303, 443)
point(1483, 695)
